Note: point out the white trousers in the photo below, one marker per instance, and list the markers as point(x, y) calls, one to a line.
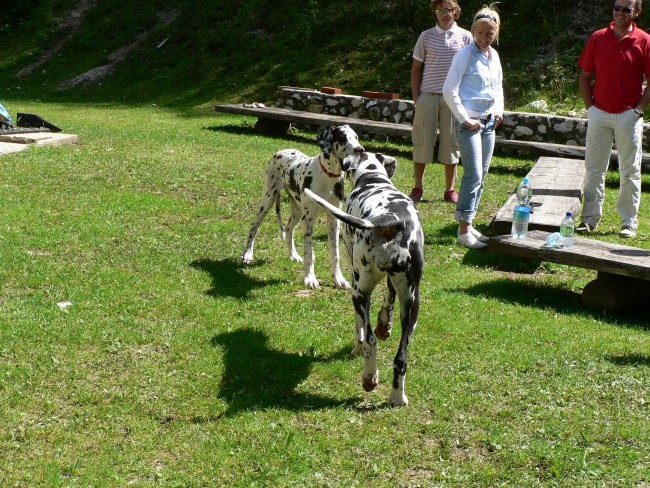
point(603, 128)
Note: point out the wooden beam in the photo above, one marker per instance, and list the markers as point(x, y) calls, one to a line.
point(527, 148)
point(606, 257)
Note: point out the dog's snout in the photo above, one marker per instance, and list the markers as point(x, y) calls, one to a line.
point(359, 150)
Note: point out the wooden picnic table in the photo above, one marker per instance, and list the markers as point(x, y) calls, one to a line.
point(623, 279)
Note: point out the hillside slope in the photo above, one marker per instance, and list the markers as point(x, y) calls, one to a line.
point(188, 53)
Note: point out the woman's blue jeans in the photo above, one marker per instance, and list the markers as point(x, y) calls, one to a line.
point(476, 147)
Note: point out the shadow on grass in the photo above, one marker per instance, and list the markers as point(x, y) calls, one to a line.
point(257, 377)
point(630, 360)
point(228, 278)
point(551, 297)
point(482, 258)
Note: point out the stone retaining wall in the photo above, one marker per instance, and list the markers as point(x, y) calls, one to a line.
point(516, 125)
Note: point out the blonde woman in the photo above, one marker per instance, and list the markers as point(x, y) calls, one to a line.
point(473, 90)
point(432, 57)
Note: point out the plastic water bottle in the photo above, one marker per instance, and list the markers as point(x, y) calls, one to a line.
point(555, 240)
point(524, 192)
point(520, 221)
point(567, 229)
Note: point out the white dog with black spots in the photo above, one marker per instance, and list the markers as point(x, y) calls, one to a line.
point(294, 172)
point(383, 236)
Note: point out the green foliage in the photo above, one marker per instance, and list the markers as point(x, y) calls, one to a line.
point(244, 50)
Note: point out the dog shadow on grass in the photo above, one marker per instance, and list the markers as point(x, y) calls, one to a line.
point(257, 377)
point(228, 278)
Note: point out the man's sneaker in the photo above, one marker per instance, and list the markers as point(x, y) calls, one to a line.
point(416, 194)
point(628, 231)
point(451, 196)
point(469, 240)
point(585, 228)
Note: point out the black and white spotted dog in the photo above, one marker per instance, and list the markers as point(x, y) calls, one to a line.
point(383, 237)
point(294, 171)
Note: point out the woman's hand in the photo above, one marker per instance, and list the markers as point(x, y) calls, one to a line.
point(498, 120)
point(472, 124)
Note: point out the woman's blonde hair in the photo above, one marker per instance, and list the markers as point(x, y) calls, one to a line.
point(488, 14)
point(436, 4)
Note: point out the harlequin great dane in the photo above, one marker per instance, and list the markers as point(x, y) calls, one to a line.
point(294, 171)
point(383, 237)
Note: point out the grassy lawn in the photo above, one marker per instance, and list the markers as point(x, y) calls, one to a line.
point(177, 366)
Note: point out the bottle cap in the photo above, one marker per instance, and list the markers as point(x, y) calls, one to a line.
point(569, 214)
point(526, 180)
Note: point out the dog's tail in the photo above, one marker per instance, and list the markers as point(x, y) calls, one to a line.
point(338, 213)
point(386, 221)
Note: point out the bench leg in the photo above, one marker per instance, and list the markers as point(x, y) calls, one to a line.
point(615, 293)
point(272, 126)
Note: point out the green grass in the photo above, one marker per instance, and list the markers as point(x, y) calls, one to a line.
point(178, 366)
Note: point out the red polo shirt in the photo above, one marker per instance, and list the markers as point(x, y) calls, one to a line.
point(619, 66)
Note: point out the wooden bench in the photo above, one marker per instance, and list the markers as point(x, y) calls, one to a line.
point(623, 279)
point(557, 189)
point(278, 121)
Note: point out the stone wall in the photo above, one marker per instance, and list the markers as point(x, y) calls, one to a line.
point(516, 125)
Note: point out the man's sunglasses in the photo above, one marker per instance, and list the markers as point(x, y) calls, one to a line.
point(625, 10)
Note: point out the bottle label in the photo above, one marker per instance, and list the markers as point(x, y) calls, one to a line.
point(522, 214)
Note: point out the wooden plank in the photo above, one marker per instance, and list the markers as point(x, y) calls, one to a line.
point(547, 213)
point(530, 148)
point(586, 253)
point(318, 119)
point(533, 148)
point(557, 189)
point(542, 148)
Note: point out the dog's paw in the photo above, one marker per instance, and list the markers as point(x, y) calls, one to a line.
point(398, 398)
point(341, 282)
point(247, 257)
point(296, 258)
point(383, 330)
point(370, 381)
point(311, 282)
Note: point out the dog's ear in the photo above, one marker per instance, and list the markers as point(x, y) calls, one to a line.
point(390, 164)
point(324, 140)
point(350, 163)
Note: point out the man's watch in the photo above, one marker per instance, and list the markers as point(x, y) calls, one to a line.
point(638, 112)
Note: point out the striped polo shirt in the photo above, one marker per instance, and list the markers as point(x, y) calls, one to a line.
point(436, 48)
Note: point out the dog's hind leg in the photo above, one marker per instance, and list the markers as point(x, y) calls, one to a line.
point(409, 299)
point(333, 230)
point(278, 215)
point(309, 280)
point(294, 219)
point(361, 303)
point(264, 207)
point(385, 315)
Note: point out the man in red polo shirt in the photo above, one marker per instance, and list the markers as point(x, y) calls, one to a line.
point(618, 57)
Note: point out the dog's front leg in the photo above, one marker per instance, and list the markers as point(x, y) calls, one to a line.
point(310, 277)
point(333, 230)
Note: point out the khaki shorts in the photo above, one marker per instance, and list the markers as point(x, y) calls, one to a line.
point(432, 115)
